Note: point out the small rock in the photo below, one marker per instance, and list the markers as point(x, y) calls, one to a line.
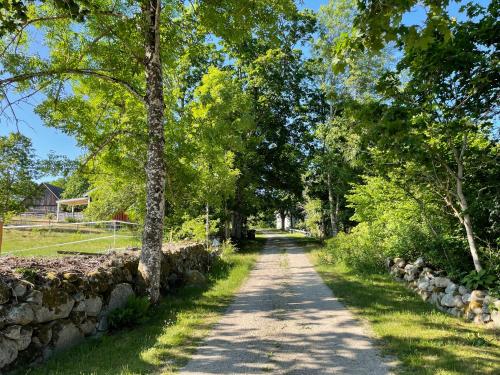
point(25, 338)
point(451, 288)
point(423, 285)
point(19, 289)
point(88, 327)
point(419, 262)
point(20, 314)
point(399, 262)
point(441, 282)
point(80, 306)
point(194, 277)
point(35, 297)
point(5, 292)
point(462, 290)
point(486, 318)
point(119, 297)
point(466, 298)
point(59, 309)
point(66, 335)
point(456, 312)
point(9, 351)
point(12, 332)
point(478, 295)
point(93, 305)
point(448, 300)
point(78, 297)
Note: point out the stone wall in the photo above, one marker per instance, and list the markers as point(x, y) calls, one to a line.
point(47, 305)
point(434, 287)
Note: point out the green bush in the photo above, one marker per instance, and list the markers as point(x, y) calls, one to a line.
point(479, 280)
point(392, 224)
point(131, 314)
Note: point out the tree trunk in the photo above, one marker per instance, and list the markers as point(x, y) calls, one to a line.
point(467, 222)
point(333, 206)
point(283, 218)
point(227, 224)
point(149, 265)
point(207, 225)
point(236, 225)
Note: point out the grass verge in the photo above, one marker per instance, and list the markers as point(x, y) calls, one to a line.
point(168, 338)
point(425, 340)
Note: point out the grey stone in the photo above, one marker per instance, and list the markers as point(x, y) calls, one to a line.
point(20, 314)
point(35, 297)
point(194, 277)
point(45, 313)
point(462, 290)
point(80, 306)
point(419, 262)
point(88, 327)
point(93, 305)
point(19, 289)
point(5, 292)
point(486, 318)
point(103, 324)
point(451, 288)
point(466, 298)
point(19, 334)
point(456, 312)
point(66, 335)
point(448, 300)
point(9, 351)
point(119, 297)
point(24, 339)
point(441, 282)
point(399, 262)
point(78, 297)
point(423, 285)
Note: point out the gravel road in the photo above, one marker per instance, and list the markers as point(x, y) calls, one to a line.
point(285, 320)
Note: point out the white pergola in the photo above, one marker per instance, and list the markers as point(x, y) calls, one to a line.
point(83, 201)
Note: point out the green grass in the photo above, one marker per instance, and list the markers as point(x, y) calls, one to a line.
point(27, 243)
point(425, 340)
point(169, 337)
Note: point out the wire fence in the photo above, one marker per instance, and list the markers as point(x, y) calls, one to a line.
point(56, 238)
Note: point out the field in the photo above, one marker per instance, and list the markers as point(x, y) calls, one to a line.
point(48, 242)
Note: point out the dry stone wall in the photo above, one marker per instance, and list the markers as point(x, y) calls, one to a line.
point(53, 304)
point(434, 287)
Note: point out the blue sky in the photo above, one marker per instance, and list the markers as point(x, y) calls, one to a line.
point(47, 139)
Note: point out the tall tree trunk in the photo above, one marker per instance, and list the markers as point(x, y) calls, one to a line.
point(467, 222)
point(283, 218)
point(236, 225)
point(227, 224)
point(149, 265)
point(333, 206)
point(207, 225)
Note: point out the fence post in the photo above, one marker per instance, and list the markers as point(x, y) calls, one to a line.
point(1, 234)
point(114, 234)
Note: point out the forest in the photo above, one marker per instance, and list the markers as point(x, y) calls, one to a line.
point(379, 132)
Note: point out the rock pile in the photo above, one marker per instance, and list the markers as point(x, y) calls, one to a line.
point(44, 310)
point(436, 288)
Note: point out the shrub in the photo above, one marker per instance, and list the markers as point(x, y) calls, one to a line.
point(479, 280)
point(227, 249)
point(131, 314)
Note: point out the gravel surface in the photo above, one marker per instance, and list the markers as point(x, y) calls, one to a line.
point(285, 320)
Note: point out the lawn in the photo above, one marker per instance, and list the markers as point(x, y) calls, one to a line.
point(425, 340)
point(47, 243)
point(168, 338)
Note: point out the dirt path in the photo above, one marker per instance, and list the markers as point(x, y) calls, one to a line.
point(285, 320)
